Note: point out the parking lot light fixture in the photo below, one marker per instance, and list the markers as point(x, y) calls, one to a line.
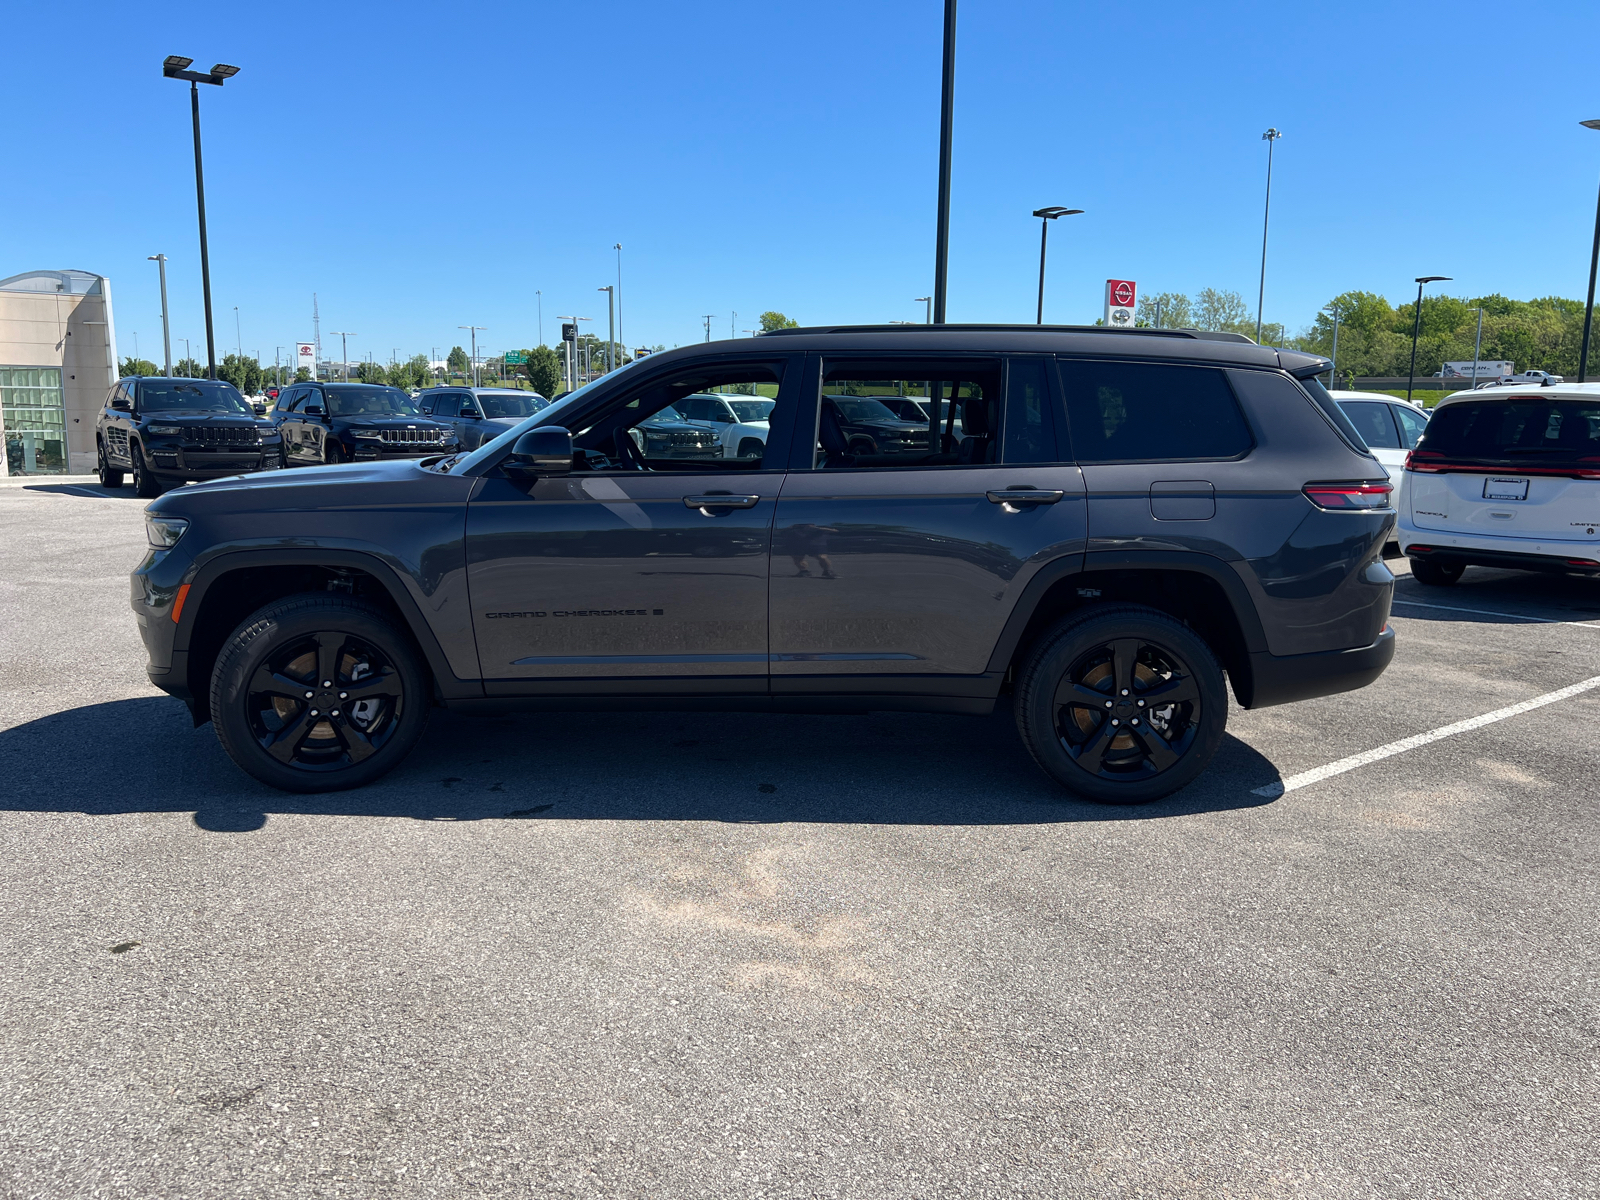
point(1416, 327)
point(1046, 215)
point(474, 329)
point(175, 66)
point(1269, 137)
point(1594, 261)
point(928, 301)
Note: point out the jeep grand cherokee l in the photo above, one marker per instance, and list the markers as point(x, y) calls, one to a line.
point(167, 431)
point(1130, 522)
point(353, 422)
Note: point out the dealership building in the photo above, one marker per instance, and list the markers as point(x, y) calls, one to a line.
point(58, 359)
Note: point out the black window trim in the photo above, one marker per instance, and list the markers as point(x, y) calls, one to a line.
point(1220, 368)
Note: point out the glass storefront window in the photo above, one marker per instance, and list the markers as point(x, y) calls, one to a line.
point(35, 420)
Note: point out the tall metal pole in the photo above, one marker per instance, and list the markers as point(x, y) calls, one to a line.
point(1416, 329)
point(1044, 235)
point(1333, 367)
point(238, 337)
point(1477, 346)
point(1588, 308)
point(707, 320)
point(611, 326)
point(618, 249)
point(166, 331)
point(1270, 136)
point(539, 296)
point(947, 118)
point(205, 255)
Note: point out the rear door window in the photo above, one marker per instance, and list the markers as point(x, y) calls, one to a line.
point(1029, 433)
point(1151, 412)
point(1373, 422)
point(1412, 423)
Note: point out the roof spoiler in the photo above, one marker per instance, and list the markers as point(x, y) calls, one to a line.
point(1304, 366)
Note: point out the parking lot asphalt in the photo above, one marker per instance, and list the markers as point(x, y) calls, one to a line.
point(757, 955)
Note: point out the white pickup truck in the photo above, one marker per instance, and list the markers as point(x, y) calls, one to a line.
point(1538, 378)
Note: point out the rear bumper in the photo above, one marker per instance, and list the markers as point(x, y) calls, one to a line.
point(1516, 554)
point(1283, 679)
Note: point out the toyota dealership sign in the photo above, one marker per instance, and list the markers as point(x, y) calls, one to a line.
point(1121, 296)
point(306, 356)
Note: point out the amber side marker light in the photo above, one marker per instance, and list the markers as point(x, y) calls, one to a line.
point(177, 605)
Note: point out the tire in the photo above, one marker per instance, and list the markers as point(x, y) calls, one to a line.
point(278, 654)
point(330, 454)
point(751, 448)
point(145, 484)
point(1436, 574)
point(108, 478)
point(1082, 657)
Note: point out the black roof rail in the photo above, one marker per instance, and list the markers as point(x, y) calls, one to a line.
point(1204, 335)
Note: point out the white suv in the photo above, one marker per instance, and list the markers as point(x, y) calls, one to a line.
point(1505, 477)
point(740, 422)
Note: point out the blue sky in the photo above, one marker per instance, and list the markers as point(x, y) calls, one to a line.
point(425, 167)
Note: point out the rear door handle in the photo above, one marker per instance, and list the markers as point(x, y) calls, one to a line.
point(721, 500)
point(1024, 496)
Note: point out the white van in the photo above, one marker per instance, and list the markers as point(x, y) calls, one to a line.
point(1505, 477)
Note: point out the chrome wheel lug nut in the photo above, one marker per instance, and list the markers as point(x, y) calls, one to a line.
point(1114, 721)
point(1141, 704)
point(1124, 690)
point(309, 695)
point(336, 713)
point(1108, 703)
point(346, 696)
point(329, 683)
point(314, 713)
point(1135, 720)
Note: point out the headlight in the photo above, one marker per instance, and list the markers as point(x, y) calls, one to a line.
point(165, 430)
point(366, 433)
point(164, 532)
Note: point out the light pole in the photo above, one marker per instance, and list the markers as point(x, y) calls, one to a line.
point(1594, 261)
point(927, 303)
point(618, 249)
point(344, 350)
point(1416, 327)
point(1270, 136)
point(539, 298)
point(1158, 314)
point(238, 337)
point(1333, 365)
point(473, 329)
point(1047, 215)
point(611, 324)
point(175, 66)
point(947, 121)
point(707, 319)
point(166, 332)
point(1477, 347)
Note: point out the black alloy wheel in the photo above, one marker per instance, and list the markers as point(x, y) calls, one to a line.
point(1122, 704)
point(318, 692)
point(1436, 574)
point(145, 484)
point(109, 478)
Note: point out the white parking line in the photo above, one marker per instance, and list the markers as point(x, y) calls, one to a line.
point(1484, 612)
point(1318, 774)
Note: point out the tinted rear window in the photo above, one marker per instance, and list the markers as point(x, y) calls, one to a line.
point(1525, 429)
point(1137, 412)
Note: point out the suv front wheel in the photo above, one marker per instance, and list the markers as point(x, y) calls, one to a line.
point(315, 693)
point(1121, 704)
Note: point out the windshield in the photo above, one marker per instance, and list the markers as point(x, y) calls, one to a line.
point(856, 409)
point(553, 415)
point(192, 395)
point(752, 410)
point(370, 402)
point(499, 405)
point(1522, 429)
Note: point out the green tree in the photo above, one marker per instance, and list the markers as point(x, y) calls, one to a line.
point(1175, 312)
point(1222, 310)
point(302, 374)
point(776, 320)
point(188, 368)
point(457, 362)
point(243, 373)
point(137, 366)
point(543, 370)
point(371, 372)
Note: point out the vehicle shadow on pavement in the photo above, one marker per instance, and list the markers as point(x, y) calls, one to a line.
point(1509, 594)
point(142, 756)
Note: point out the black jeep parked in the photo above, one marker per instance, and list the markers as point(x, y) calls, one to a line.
point(1129, 523)
point(355, 422)
point(170, 431)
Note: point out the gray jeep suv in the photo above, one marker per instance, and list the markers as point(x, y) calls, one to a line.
point(1126, 524)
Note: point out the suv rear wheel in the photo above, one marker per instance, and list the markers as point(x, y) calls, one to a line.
point(1436, 574)
point(315, 693)
point(1121, 704)
point(108, 478)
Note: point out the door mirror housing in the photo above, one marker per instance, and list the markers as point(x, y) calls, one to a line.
point(468, 413)
point(314, 410)
point(121, 404)
point(546, 451)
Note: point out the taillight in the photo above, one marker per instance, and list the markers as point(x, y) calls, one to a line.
point(1413, 465)
point(1349, 495)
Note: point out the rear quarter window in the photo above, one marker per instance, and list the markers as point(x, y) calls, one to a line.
point(1141, 412)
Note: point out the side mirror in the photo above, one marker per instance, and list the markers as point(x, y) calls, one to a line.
point(121, 404)
point(468, 413)
point(545, 451)
point(314, 410)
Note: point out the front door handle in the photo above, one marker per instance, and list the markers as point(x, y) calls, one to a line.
point(1022, 495)
point(720, 500)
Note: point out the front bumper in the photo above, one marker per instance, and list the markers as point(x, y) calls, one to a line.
point(176, 463)
point(373, 450)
